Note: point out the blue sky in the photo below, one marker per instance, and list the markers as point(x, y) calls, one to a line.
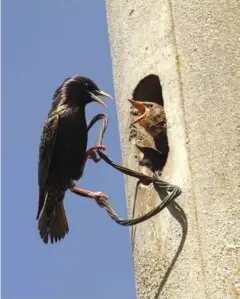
point(43, 42)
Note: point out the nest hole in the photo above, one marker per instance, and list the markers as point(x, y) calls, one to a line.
point(149, 89)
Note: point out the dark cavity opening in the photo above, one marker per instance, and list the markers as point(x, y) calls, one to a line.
point(149, 89)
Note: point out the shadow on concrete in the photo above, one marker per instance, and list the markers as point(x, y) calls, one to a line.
point(133, 232)
point(178, 213)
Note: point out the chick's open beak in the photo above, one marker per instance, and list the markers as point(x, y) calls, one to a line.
point(99, 93)
point(141, 109)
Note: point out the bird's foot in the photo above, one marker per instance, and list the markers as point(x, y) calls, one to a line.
point(100, 198)
point(98, 195)
point(86, 193)
point(91, 153)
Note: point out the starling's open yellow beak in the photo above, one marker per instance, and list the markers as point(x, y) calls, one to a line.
point(141, 109)
point(100, 93)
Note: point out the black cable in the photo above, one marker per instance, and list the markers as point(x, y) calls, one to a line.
point(175, 191)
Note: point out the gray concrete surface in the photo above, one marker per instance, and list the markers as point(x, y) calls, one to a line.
point(193, 46)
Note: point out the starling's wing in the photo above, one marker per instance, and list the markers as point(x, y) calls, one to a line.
point(48, 138)
point(47, 143)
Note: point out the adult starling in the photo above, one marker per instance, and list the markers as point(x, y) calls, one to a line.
point(152, 118)
point(62, 153)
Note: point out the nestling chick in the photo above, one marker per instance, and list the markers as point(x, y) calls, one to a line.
point(152, 159)
point(152, 118)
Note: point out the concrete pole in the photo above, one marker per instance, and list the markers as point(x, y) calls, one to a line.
point(192, 251)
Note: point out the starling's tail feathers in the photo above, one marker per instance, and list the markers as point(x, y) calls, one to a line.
point(53, 223)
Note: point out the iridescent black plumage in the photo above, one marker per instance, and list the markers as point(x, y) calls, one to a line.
point(62, 152)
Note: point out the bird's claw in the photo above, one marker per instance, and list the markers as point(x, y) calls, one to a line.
point(93, 156)
point(100, 198)
point(98, 195)
point(96, 147)
point(91, 153)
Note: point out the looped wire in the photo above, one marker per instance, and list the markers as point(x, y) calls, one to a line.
point(174, 191)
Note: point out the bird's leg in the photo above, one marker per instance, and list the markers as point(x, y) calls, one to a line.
point(86, 193)
point(91, 154)
point(98, 196)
